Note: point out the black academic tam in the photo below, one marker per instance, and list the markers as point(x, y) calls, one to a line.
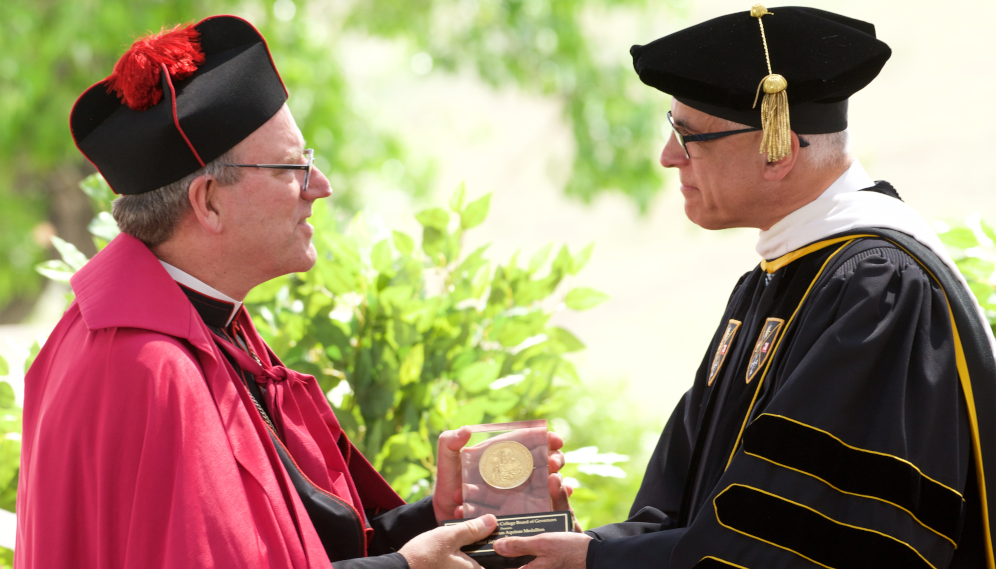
point(176, 101)
point(716, 66)
point(843, 417)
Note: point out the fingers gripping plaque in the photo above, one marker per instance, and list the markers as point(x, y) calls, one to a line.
point(506, 472)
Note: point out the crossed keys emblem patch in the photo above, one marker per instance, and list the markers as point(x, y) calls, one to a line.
point(764, 346)
point(724, 347)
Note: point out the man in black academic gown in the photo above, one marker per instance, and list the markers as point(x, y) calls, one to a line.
point(842, 415)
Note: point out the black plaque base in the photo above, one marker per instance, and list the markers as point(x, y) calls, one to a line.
point(515, 525)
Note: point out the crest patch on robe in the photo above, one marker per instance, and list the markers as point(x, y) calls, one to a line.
point(764, 346)
point(724, 347)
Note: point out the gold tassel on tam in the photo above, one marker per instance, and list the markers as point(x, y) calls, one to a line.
point(777, 138)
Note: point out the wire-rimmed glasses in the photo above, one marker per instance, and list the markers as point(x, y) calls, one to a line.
point(308, 153)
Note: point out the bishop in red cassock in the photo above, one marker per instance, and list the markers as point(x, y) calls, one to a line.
point(159, 429)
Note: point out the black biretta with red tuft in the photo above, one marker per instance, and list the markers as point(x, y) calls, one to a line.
point(176, 101)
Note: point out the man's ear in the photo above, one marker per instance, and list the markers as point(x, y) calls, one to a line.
point(775, 171)
point(203, 197)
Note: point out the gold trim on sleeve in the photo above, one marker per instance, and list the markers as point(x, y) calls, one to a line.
point(723, 561)
point(716, 510)
point(912, 515)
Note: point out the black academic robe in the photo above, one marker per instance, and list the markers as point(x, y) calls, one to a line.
point(338, 526)
point(828, 424)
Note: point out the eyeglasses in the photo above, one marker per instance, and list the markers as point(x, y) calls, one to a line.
point(308, 153)
point(684, 140)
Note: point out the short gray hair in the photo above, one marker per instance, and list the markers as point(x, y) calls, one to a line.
point(825, 151)
point(153, 216)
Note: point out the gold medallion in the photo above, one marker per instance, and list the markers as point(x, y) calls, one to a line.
point(506, 465)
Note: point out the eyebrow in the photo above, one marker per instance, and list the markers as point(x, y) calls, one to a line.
point(294, 156)
point(683, 124)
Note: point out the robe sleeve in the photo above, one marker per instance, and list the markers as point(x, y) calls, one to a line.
point(648, 537)
point(395, 527)
point(392, 530)
point(860, 453)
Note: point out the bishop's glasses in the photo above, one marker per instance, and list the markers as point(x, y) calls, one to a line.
point(309, 154)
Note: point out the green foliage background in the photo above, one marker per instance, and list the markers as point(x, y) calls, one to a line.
point(424, 335)
point(411, 335)
point(50, 52)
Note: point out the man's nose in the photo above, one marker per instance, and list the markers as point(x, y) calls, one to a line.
point(673, 154)
point(318, 186)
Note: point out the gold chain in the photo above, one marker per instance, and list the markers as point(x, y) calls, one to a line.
point(261, 411)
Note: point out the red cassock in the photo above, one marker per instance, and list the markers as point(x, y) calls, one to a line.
point(142, 449)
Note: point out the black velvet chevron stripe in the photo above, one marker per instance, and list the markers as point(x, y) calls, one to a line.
point(814, 452)
point(807, 533)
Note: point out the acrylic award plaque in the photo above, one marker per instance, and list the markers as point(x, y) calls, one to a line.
point(505, 468)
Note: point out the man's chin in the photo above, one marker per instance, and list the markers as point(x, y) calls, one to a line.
point(302, 263)
point(309, 259)
point(696, 216)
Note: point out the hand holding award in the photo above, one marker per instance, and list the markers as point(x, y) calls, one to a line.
point(506, 472)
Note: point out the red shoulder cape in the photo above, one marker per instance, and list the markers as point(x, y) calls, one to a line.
point(138, 449)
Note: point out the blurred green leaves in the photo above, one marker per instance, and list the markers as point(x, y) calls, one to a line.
point(408, 341)
point(54, 51)
point(419, 339)
point(972, 244)
point(584, 298)
point(102, 229)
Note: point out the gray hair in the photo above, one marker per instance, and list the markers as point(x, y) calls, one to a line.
point(153, 216)
point(825, 151)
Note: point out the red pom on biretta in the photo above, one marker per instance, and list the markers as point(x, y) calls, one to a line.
point(137, 75)
point(144, 128)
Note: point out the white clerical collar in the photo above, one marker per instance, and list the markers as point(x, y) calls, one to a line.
point(192, 282)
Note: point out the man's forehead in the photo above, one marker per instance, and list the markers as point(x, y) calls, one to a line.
point(278, 141)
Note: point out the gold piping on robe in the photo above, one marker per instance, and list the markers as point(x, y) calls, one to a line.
point(767, 365)
point(945, 486)
point(966, 385)
point(716, 509)
point(774, 265)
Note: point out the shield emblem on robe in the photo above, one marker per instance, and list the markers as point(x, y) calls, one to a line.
point(724, 348)
point(764, 346)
